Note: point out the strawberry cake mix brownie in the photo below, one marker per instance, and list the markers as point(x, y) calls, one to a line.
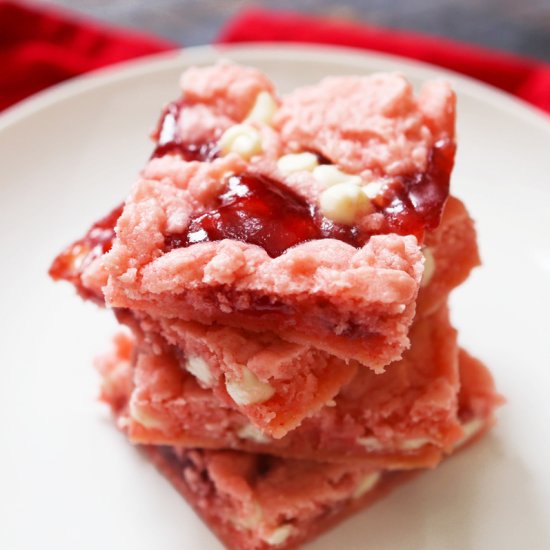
point(255, 501)
point(270, 261)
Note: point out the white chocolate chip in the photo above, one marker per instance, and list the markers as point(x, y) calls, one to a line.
point(241, 139)
point(279, 535)
point(329, 175)
point(144, 418)
point(429, 266)
point(252, 520)
point(246, 146)
point(110, 381)
point(414, 444)
point(372, 189)
point(251, 432)
point(299, 162)
point(263, 109)
point(370, 443)
point(123, 422)
point(129, 276)
point(366, 484)
point(470, 429)
point(249, 389)
point(344, 202)
point(200, 370)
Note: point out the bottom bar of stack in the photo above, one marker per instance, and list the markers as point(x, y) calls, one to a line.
point(256, 501)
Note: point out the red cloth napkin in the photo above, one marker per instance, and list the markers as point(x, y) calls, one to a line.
point(41, 46)
point(525, 78)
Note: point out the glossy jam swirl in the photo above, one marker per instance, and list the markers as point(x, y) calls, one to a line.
point(259, 210)
point(169, 141)
point(414, 203)
point(71, 263)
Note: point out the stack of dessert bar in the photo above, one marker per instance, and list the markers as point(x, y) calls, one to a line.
point(284, 264)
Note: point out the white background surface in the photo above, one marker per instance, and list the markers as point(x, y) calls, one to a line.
point(68, 480)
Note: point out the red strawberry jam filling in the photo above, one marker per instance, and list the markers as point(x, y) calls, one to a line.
point(169, 140)
point(259, 210)
point(71, 263)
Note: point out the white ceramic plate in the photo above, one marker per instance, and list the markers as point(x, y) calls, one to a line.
point(69, 480)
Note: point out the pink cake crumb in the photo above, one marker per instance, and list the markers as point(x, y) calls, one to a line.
point(454, 253)
point(373, 125)
point(226, 88)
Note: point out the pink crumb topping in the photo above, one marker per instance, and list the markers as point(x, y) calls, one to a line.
point(381, 271)
point(371, 125)
point(228, 88)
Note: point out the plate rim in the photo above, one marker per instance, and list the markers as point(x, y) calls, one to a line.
point(124, 70)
